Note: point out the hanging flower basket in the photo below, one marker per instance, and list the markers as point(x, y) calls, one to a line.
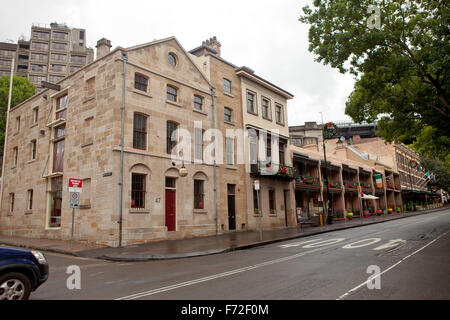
point(329, 130)
point(349, 215)
point(398, 210)
point(413, 163)
point(379, 212)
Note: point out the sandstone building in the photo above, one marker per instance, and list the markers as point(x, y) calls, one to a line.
point(75, 132)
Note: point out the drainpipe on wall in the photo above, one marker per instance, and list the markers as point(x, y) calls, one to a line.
point(125, 59)
point(215, 152)
point(11, 78)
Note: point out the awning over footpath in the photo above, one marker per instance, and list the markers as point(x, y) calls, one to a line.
point(368, 196)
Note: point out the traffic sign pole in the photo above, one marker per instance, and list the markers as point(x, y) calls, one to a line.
point(75, 188)
point(73, 222)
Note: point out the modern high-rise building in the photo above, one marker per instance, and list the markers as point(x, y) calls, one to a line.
point(7, 52)
point(53, 52)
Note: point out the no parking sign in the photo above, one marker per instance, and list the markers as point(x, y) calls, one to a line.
point(74, 200)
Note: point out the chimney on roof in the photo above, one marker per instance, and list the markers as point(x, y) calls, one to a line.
point(103, 47)
point(213, 43)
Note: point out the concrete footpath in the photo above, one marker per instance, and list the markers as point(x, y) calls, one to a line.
point(175, 249)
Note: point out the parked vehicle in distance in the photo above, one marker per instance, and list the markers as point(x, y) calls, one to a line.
point(21, 272)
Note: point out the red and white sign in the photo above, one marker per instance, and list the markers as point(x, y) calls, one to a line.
point(75, 185)
point(256, 184)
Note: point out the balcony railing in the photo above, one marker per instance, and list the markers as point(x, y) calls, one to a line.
point(390, 185)
point(350, 184)
point(304, 181)
point(377, 189)
point(336, 184)
point(269, 169)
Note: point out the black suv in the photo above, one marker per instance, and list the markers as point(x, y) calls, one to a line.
point(21, 272)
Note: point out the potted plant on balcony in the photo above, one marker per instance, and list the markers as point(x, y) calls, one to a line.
point(349, 215)
point(366, 213)
point(256, 210)
point(390, 210)
point(379, 212)
point(272, 211)
point(398, 209)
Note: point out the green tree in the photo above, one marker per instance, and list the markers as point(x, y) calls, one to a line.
point(22, 90)
point(400, 66)
point(431, 145)
point(442, 174)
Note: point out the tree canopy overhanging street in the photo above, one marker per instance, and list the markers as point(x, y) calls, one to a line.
point(400, 66)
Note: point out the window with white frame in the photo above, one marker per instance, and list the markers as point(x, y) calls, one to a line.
point(198, 151)
point(229, 142)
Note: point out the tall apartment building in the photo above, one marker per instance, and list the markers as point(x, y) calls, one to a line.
point(7, 52)
point(56, 52)
point(75, 132)
point(52, 53)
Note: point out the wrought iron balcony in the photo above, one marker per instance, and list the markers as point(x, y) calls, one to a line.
point(303, 181)
point(336, 184)
point(350, 184)
point(272, 170)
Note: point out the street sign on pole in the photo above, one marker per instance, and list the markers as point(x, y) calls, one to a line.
point(256, 185)
point(74, 203)
point(75, 185)
point(74, 200)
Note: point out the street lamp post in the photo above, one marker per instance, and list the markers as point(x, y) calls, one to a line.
point(329, 130)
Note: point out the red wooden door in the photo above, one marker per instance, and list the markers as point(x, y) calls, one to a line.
point(170, 209)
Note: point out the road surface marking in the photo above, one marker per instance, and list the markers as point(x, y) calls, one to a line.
point(365, 242)
point(324, 243)
point(391, 244)
point(296, 244)
point(216, 276)
point(390, 268)
point(81, 266)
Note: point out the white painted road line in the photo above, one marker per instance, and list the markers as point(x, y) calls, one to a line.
point(361, 243)
point(390, 268)
point(216, 276)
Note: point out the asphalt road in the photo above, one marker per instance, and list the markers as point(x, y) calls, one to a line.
point(412, 254)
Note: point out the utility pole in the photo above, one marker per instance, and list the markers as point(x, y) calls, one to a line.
point(328, 131)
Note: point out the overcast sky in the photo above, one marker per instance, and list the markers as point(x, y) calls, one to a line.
point(263, 35)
